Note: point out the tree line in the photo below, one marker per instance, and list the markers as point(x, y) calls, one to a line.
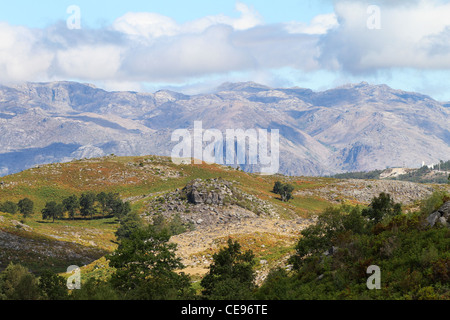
point(87, 205)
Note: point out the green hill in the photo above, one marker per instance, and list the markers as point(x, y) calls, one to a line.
point(204, 205)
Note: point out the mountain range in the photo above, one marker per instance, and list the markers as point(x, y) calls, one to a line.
point(355, 127)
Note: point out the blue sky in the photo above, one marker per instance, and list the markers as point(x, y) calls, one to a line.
point(194, 46)
point(98, 13)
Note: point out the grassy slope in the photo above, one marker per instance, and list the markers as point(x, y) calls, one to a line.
point(136, 179)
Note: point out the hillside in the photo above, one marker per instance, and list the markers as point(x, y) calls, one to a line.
point(214, 201)
point(356, 127)
point(437, 173)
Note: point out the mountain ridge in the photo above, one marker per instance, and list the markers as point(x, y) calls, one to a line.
point(354, 127)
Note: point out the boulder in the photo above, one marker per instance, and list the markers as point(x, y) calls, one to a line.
point(442, 215)
point(432, 218)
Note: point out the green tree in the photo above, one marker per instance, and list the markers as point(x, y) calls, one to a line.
point(95, 290)
point(277, 187)
point(101, 199)
point(231, 275)
point(71, 205)
point(26, 207)
point(277, 286)
point(9, 207)
point(17, 283)
point(128, 225)
point(284, 190)
point(87, 201)
point(381, 207)
point(53, 286)
point(112, 204)
point(52, 210)
point(320, 237)
point(146, 265)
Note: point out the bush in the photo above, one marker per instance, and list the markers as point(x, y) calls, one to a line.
point(231, 275)
point(17, 283)
point(9, 207)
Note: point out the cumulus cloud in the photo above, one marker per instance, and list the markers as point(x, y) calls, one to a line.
point(181, 57)
point(412, 34)
point(321, 24)
point(149, 47)
point(145, 47)
point(21, 56)
point(148, 26)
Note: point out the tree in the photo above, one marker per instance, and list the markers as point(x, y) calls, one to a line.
point(231, 275)
point(17, 283)
point(87, 201)
point(116, 206)
point(284, 190)
point(146, 265)
point(319, 237)
point(277, 187)
point(52, 210)
point(71, 205)
point(95, 289)
point(53, 286)
point(26, 207)
point(381, 207)
point(9, 207)
point(102, 199)
point(128, 225)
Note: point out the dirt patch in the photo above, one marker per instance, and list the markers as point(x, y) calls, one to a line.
point(196, 248)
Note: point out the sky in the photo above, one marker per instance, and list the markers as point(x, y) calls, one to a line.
point(194, 46)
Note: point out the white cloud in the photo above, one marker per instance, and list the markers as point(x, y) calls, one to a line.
point(148, 26)
point(409, 37)
point(89, 62)
point(185, 56)
point(321, 24)
point(21, 57)
point(142, 48)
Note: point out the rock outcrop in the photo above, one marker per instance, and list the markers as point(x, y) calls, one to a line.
point(441, 216)
point(209, 202)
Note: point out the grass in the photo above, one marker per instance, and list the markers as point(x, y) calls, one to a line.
point(138, 177)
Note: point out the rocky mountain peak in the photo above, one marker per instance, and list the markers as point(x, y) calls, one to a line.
point(357, 127)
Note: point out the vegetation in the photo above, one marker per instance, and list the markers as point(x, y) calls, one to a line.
point(9, 207)
point(26, 207)
point(375, 174)
point(145, 266)
point(332, 257)
point(329, 260)
point(284, 190)
point(87, 206)
point(231, 275)
point(420, 175)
